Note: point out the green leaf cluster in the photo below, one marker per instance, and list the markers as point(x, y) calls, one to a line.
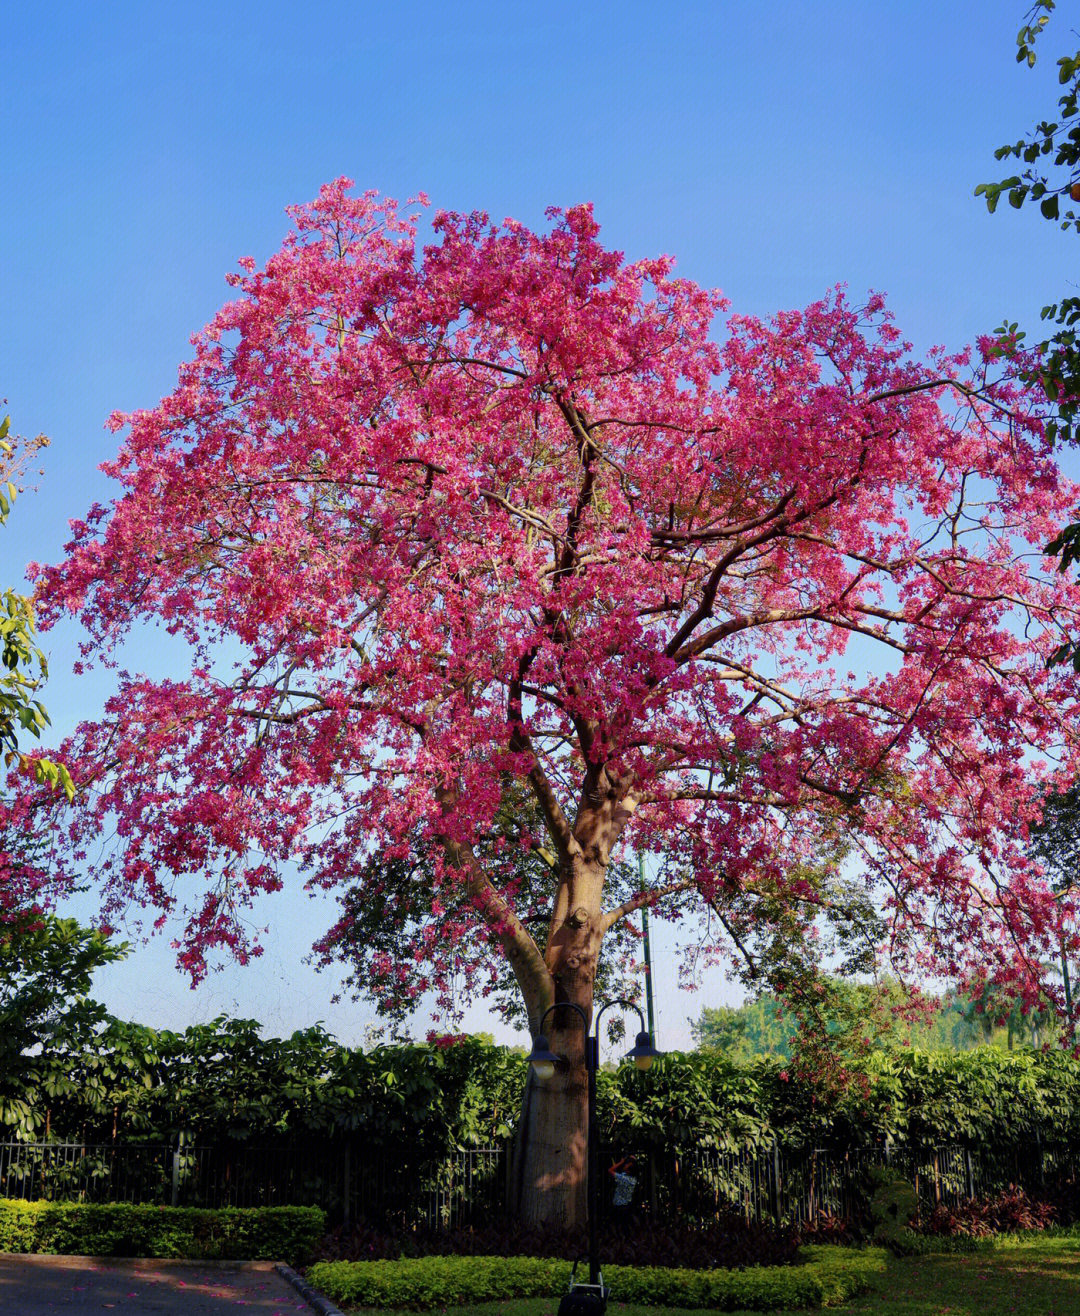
point(22, 663)
point(1051, 154)
point(702, 1101)
point(827, 1275)
point(46, 1015)
point(276, 1233)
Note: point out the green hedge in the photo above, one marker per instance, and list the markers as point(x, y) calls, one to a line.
point(268, 1233)
point(828, 1275)
point(224, 1080)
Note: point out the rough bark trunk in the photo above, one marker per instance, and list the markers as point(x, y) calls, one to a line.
point(552, 1140)
point(551, 1149)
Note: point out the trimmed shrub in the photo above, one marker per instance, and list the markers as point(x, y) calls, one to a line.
point(894, 1205)
point(826, 1275)
point(269, 1233)
point(216, 1079)
point(425, 1282)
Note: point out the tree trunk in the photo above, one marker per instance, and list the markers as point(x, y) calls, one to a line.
point(552, 1143)
point(551, 1152)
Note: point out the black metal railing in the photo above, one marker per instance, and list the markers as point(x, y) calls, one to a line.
point(70, 1171)
point(352, 1180)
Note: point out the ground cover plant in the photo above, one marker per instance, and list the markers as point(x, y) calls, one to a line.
point(1008, 1212)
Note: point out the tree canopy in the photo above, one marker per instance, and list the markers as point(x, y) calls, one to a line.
point(504, 513)
point(25, 668)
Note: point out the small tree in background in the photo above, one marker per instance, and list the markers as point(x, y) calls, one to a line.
point(499, 519)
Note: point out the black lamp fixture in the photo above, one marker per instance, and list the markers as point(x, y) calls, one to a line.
point(643, 1053)
point(544, 1062)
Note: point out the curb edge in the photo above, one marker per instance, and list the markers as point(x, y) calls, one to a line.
point(315, 1300)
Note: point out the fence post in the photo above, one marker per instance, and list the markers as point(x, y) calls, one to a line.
point(346, 1185)
point(969, 1176)
point(776, 1186)
point(176, 1168)
point(508, 1203)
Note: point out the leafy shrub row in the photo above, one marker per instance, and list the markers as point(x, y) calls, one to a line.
point(727, 1242)
point(827, 1275)
point(225, 1081)
point(278, 1233)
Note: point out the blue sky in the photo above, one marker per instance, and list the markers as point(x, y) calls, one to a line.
point(774, 150)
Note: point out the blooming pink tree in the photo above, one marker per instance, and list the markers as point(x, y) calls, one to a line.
point(501, 520)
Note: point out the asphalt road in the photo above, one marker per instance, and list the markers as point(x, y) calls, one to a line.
point(39, 1286)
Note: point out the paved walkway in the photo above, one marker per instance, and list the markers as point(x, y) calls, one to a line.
point(40, 1286)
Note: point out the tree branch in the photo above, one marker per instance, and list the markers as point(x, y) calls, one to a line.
point(640, 900)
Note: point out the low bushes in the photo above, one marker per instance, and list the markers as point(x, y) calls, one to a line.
point(279, 1233)
point(826, 1275)
point(728, 1242)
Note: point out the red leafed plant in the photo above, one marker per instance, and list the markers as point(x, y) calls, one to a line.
point(1005, 1212)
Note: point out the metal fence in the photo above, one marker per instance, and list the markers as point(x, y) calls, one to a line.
point(69, 1171)
point(351, 1180)
point(346, 1179)
point(801, 1186)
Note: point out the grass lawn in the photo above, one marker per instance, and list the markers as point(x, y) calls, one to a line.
point(1029, 1277)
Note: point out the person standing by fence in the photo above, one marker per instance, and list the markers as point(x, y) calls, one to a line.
point(622, 1197)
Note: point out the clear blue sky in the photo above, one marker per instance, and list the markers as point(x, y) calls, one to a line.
point(773, 149)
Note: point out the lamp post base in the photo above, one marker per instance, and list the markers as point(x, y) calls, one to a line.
point(585, 1300)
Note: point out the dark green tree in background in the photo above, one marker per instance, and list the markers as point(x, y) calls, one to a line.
point(884, 1018)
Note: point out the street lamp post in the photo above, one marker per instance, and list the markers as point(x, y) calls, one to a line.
point(544, 1062)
